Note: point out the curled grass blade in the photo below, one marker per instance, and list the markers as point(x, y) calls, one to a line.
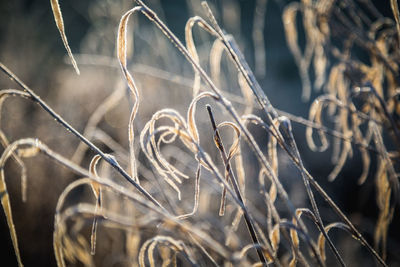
point(122, 57)
point(220, 146)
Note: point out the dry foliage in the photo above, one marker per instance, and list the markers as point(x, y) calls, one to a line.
point(166, 214)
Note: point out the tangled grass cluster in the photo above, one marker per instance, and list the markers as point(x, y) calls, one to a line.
point(184, 191)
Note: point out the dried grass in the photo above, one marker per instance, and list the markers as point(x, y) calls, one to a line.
point(160, 225)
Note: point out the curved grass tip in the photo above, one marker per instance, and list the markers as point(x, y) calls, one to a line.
point(55, 6)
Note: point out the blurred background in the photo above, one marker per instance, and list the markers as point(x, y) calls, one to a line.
point(30, 45)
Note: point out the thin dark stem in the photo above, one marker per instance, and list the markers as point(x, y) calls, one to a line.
point(287, 131)
point(220, 146)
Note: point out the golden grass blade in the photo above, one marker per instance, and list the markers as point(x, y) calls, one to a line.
point(122, 57)
point(345, 153)
point(291, 33)
point(313, 250)
point(386, 211)
point(215, 61)
point(366, 161)
point(196, 195)
point(273, 192)
point(247, 94)
point(166, 257)
point(245, 250)
point(296, 253)
point(4, 142)
point(168, 135)
point(78, 248)
point(92, 169)
point(315, 115)
point(74, 248)
point(192, 48)
point(57, 247)
point(294, 236)
point(150, 245)
point(98, 195)
point(234, 227)
point(274, 236)
point(233, 150)
point(132, 243)
point(55, 6)
point(320, 66)
point(341, 122)
point(358, 136)
point(240, 171)
point(5, 202)
point(192, 128)
point(150, 253)
point(273, 156)
point(4, 94)
point(321, 238)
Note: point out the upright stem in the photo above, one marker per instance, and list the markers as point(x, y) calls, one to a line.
point(250, 226)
